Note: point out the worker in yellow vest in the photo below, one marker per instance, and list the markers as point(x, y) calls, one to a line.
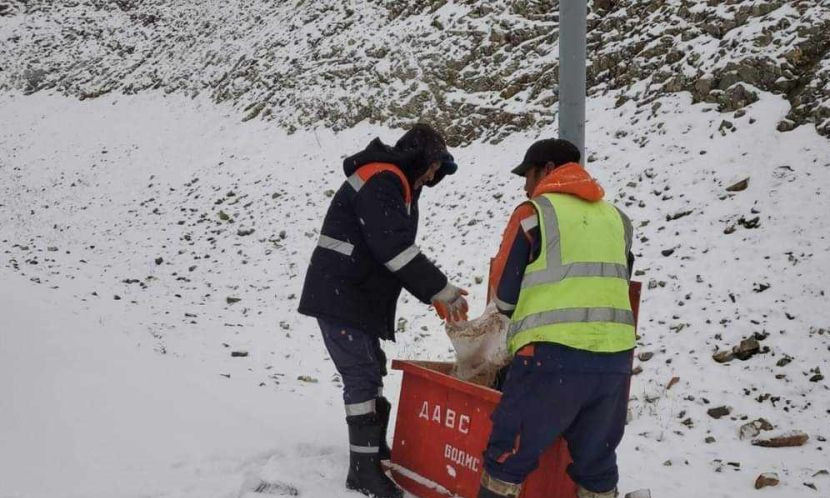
point(562, 276)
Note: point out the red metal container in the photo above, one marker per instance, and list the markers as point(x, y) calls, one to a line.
point(442, 430)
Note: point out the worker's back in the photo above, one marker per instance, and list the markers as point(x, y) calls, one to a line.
point(575, 293)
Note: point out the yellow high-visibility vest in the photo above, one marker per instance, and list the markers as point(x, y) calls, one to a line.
point(576, 292)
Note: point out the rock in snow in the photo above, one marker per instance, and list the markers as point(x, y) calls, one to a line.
point(766, 479)
point(718, 412)
point(793, 438)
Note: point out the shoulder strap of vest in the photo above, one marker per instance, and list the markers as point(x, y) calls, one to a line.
point(538, 203)
point(366, 172)
point(628, 228)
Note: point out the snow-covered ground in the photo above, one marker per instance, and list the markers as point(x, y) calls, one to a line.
point(87, 412)
point(122, 223)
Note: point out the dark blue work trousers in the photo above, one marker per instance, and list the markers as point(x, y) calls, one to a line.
point(553, 391)
point(358, 358)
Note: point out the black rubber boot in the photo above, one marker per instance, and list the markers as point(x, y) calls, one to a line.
point(365, 472)
point(384, 408)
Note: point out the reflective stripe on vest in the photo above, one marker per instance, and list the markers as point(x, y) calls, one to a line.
point(359, 178)
point(576, 292)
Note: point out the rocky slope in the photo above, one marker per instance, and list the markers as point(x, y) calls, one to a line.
point(481, 69)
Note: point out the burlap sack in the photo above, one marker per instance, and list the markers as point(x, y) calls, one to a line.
point(480, 346)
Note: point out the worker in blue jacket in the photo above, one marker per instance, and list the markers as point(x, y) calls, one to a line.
point(365, 255)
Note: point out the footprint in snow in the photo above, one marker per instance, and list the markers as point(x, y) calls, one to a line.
point(256, 486)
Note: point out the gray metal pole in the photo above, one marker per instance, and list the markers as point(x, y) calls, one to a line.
point(572, 54)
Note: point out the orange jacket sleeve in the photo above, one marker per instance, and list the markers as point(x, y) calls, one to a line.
point(520, 224)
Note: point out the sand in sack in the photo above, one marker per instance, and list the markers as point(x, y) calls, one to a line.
point(480, 347)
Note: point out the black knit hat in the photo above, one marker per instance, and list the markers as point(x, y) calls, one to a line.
point(424, 139)
point(424, 145)
point(551, 150)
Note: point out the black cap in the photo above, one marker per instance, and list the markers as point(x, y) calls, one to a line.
point(550, 150)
